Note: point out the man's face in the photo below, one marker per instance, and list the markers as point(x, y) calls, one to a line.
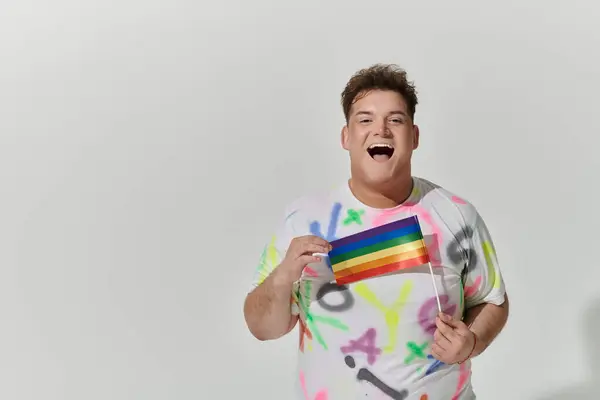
point(380, 137)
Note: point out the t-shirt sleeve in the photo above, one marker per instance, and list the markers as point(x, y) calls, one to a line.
point(274, 250)
point(273, 254)
point(483, 279)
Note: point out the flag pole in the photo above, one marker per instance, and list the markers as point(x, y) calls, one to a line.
point(437, 294)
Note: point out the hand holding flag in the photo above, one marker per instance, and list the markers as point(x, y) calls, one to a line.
point(453, 340)
point(300, 252)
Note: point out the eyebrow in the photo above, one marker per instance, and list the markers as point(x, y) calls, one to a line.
point(370, 113)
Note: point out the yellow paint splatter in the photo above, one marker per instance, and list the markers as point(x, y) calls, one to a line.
point(391, 314)
point(490, 255)
point(416, 191)
point(268, 261)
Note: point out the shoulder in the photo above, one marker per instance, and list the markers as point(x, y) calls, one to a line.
point(449, 205)
point(304, 210)
point(310, 202)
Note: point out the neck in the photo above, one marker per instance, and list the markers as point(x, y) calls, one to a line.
point(388, 195)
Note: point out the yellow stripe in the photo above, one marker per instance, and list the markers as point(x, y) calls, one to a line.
point(403, 248)
point(380, 262)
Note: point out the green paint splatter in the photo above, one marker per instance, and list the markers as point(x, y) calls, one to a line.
point(354, 216)
point(415, 351)
point(462, 297)
point(312, 320)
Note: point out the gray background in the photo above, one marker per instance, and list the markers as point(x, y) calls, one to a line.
point(147, 149)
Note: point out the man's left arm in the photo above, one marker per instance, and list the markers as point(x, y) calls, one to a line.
point(486, 303)
point(486, 321)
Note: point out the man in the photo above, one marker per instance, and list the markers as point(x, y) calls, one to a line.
point(381, 337)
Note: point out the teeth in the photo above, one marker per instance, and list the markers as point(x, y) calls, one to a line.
point(389, 146)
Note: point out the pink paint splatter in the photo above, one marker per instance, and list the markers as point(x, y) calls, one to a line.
point(433, 247)
point(365, 344)
point(429, 311)
point(321, 395)
point(463, 377)
point(470, 290)
point(458, 200)
point(310, 272)
point(386, 215)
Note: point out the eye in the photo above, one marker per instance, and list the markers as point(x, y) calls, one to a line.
point(365, 121)
point(397, 121)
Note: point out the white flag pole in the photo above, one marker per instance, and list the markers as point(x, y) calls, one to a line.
point(437, 294)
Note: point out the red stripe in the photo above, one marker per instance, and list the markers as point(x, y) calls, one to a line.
point(413, 262)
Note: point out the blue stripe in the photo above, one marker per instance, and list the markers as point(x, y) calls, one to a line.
point(375, 239)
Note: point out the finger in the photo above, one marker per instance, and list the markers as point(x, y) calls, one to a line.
point(313, 240)
point(441, 340)
point(449, 320)
point(446, 330)
point(436, 348)
point(300, 247)
point(302, 262)
point(317, 240)
point(437, 352)
point(310, 248)
point(307, 259)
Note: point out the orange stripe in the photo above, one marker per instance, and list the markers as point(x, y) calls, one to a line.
point(413, 262)
point(381, 262)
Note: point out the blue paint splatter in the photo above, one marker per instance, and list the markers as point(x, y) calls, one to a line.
point(315, 226)
point(290, 215)
point(433, 366)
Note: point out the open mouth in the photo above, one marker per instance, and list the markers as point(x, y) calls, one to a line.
point(381, 151)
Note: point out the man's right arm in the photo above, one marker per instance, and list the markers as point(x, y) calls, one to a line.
point(267, 308)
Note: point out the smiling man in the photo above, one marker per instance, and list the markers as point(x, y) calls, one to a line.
point(381, 337)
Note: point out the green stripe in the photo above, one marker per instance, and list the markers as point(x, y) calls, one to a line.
point(413, 237)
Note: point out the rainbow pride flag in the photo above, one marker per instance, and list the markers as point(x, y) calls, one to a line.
point(377, 251)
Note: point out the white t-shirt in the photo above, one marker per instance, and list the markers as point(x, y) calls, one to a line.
point(371, 338)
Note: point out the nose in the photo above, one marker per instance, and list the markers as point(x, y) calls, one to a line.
point(383, 130)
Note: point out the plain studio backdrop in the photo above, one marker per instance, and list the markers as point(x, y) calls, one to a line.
point(148, 148)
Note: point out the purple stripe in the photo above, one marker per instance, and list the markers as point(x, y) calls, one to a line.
point(402, 223)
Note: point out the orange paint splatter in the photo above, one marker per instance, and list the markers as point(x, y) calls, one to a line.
point(304, 332)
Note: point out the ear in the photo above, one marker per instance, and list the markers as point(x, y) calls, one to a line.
point(345, 138)
point(415, 137)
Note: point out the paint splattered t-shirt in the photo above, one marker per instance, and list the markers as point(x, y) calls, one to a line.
point(371, 338)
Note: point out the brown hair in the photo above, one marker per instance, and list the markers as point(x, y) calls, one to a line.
point(379, 77)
